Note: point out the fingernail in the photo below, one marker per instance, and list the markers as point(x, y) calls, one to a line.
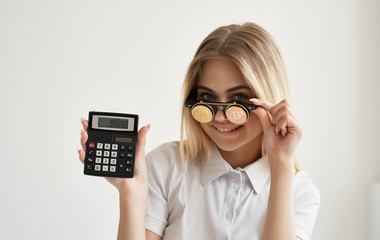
point(148, 126)
point(81, 119)
point(273, 121)
point(254, 100)
point(283, 133)
point(277, 130)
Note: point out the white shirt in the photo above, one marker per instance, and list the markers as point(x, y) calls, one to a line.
point(217, 201)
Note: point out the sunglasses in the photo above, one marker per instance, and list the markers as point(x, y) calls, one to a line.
point(236, 112)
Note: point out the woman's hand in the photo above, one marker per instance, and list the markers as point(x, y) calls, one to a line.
point(131, 187)
point(281, 134)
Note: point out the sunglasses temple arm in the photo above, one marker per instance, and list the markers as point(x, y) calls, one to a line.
point(251, 107)
point(188, 105)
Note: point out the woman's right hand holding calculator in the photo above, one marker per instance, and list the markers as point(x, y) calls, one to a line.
point(136, 187)
point(133, 192)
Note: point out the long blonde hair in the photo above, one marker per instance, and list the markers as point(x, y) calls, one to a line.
point(258, 57)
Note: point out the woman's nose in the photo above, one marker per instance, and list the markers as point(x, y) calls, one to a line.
point(220, 116)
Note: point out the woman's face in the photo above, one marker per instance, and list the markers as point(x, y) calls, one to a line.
point(222, 81)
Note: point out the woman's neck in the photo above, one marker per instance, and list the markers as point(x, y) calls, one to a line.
point(244, 155)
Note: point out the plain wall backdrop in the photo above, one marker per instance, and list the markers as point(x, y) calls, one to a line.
point(61, 59)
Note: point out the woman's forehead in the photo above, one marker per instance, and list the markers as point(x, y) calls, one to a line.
point(221, 73)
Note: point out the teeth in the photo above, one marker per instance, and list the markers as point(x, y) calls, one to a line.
point(226, 130)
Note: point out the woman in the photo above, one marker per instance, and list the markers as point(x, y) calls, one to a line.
point(235, 175)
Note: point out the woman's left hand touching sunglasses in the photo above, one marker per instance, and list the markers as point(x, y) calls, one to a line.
point(281, 134)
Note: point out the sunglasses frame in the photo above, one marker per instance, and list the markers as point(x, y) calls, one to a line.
point(247, 107)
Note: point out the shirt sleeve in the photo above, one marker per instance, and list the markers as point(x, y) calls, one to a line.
point(306, 205)
point(159, 167)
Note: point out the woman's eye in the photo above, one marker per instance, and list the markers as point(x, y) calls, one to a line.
point(207, 96)
point(240, 97)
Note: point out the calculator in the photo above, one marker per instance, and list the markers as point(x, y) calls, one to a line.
point(111, 144)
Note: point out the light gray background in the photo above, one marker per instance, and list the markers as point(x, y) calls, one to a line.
point(61, 59)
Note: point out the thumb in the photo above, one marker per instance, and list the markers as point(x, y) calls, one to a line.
point(263, 115)
point(141, 139)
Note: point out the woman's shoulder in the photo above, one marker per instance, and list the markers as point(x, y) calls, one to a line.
point(164, 158)
point(165, 152)
point(305, 188)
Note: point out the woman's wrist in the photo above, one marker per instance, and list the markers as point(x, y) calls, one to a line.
point(282, 167)
point(133, 194)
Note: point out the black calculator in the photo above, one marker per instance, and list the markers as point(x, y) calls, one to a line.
point(111, 144)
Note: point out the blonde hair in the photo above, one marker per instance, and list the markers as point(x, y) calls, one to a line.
point(258, 57)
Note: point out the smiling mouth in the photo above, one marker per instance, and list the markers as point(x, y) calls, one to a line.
point(224, 130)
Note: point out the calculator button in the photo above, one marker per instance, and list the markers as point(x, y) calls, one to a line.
point(106, 160)
point(114, 146)
point(128, 169)
point(113, 161)
point(130, 148)
point(129, 155)
point(89, 167)
point(105, 168)
point(90, 160)
point(120, 166)
point(99, 146)
point(123, 147)
point(97, 167)
point(112, 169)
point(98, 153)
point(91, 145)
point(98, 160)
point(90, 152)
point(128, 162)
point(113, 154)
point(122, 155)
point(106, 153)
point(107, 146)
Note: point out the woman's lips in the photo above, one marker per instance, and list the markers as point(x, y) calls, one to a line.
point(227, 129)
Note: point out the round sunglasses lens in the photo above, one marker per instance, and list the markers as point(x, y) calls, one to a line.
point(236, 115)
point(202, 114)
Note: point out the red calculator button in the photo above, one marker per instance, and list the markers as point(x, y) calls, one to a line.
point(91, 145)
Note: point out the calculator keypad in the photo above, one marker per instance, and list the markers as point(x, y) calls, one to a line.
point(110, 158)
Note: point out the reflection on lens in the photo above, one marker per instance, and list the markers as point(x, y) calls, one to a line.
point(202, 114)
point(236, 115)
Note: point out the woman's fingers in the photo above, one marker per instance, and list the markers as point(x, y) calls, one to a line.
point(263, 115)
point(83, 133)
point(141, 139)
point(140, 164)
point(81, 155)
point(280, 106)
point(261, 112)
point(262, 103)
point(282, 116)
point(83, 139)
point(283, 119)
point(84, 123)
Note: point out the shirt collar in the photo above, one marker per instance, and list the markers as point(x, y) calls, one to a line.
point(257, 172)
point(215, 168)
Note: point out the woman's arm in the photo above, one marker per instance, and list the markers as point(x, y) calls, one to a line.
point(132, 217)
point(281, 137)
point(279, 223)
point(133, 192)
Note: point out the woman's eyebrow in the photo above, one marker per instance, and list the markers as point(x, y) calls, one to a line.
point(238, 88)
point(204, 88)
point(227, 91)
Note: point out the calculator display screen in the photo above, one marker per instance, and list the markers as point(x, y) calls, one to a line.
point(113, 123)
